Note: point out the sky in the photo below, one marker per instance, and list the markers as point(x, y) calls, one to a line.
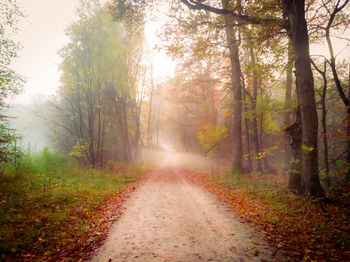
point(42, 34)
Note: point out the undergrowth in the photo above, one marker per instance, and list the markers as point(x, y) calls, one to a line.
point(307, 229)
point(48, 196)
point(272, 189)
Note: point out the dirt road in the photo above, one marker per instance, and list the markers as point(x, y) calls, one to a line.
point(170, 219)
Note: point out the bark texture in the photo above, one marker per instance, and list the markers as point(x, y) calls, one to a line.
point(295, 133)
point(310, 182)
point(287, 117)
point(237, 100)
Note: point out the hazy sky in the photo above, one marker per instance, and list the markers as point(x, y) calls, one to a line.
point(42, 35)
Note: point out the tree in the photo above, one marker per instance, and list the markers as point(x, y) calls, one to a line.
point(10, 82)
point(262, 23)
point(310, 183)
point(96, 105)
point(323, 73)
point(233, 43)
point(337, 9)
point(295, 12)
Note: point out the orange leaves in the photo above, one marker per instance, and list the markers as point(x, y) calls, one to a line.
point(81, 228)
point(163, 256)
point(233, 248)
point(301, 230)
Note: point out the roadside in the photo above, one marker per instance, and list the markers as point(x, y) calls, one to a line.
point(51, 209)
point(301, 229)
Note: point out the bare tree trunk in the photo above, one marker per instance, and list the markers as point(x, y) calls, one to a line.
point(91, 127)
point(126, 131)
point(295, 133)
point(287, 117)
point(347, 176)
point(255, 136)
point(122, 118)
point(233, 44)
point(324, 126)
point(310, 182)
point(346, 99)
point(150, 112)
point(324, 119)
point(98, 149)
point(158, 115)
point(247, 124)
point(266, 167)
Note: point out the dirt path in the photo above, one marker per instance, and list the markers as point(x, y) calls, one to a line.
point(170, 219)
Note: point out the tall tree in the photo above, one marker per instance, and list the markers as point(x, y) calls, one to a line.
point(98, 92)
point(337, 9)
point(233, 44)
point(310, 182)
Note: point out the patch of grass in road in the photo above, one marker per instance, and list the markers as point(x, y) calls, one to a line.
point(48, 200)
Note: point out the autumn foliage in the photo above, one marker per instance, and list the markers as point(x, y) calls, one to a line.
point(62, 215)
point(300, 229)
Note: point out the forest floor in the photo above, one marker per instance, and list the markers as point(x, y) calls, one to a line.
point(302, 229)
point(170, 218)
point(63, 214)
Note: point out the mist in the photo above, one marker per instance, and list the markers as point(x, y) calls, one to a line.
point(174, 130)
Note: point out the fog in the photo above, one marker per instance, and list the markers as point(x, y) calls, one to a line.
point(189, 130)
point(156, 93)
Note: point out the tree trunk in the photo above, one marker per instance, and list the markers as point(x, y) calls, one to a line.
point(247, 124)
point(123, 123)
point(324, 127)
point(158, 115)
point(310, 182)
point(287, 117)
point(324, 119)
point(346, 99)
point(126, 131)
point(295, 133)
point(91, 128)
point(255, 136)
point(137, 154)
point(150, 113)
point(138, 106)
point(237, 94)
point(347, 176)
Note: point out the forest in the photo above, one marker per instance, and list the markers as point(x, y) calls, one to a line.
point(241, 154)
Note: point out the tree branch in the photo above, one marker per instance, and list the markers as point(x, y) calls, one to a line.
point(197, 5)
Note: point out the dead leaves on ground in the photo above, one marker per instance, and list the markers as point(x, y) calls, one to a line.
point(305, 230)
point(79, 234)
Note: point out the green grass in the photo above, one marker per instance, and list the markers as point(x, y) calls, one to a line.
point(310, 227)
point(48, 192)
point(272, 190)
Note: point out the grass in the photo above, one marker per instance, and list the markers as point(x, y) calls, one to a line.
point(307, 228)
point(272, 189)
point(50, 199)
